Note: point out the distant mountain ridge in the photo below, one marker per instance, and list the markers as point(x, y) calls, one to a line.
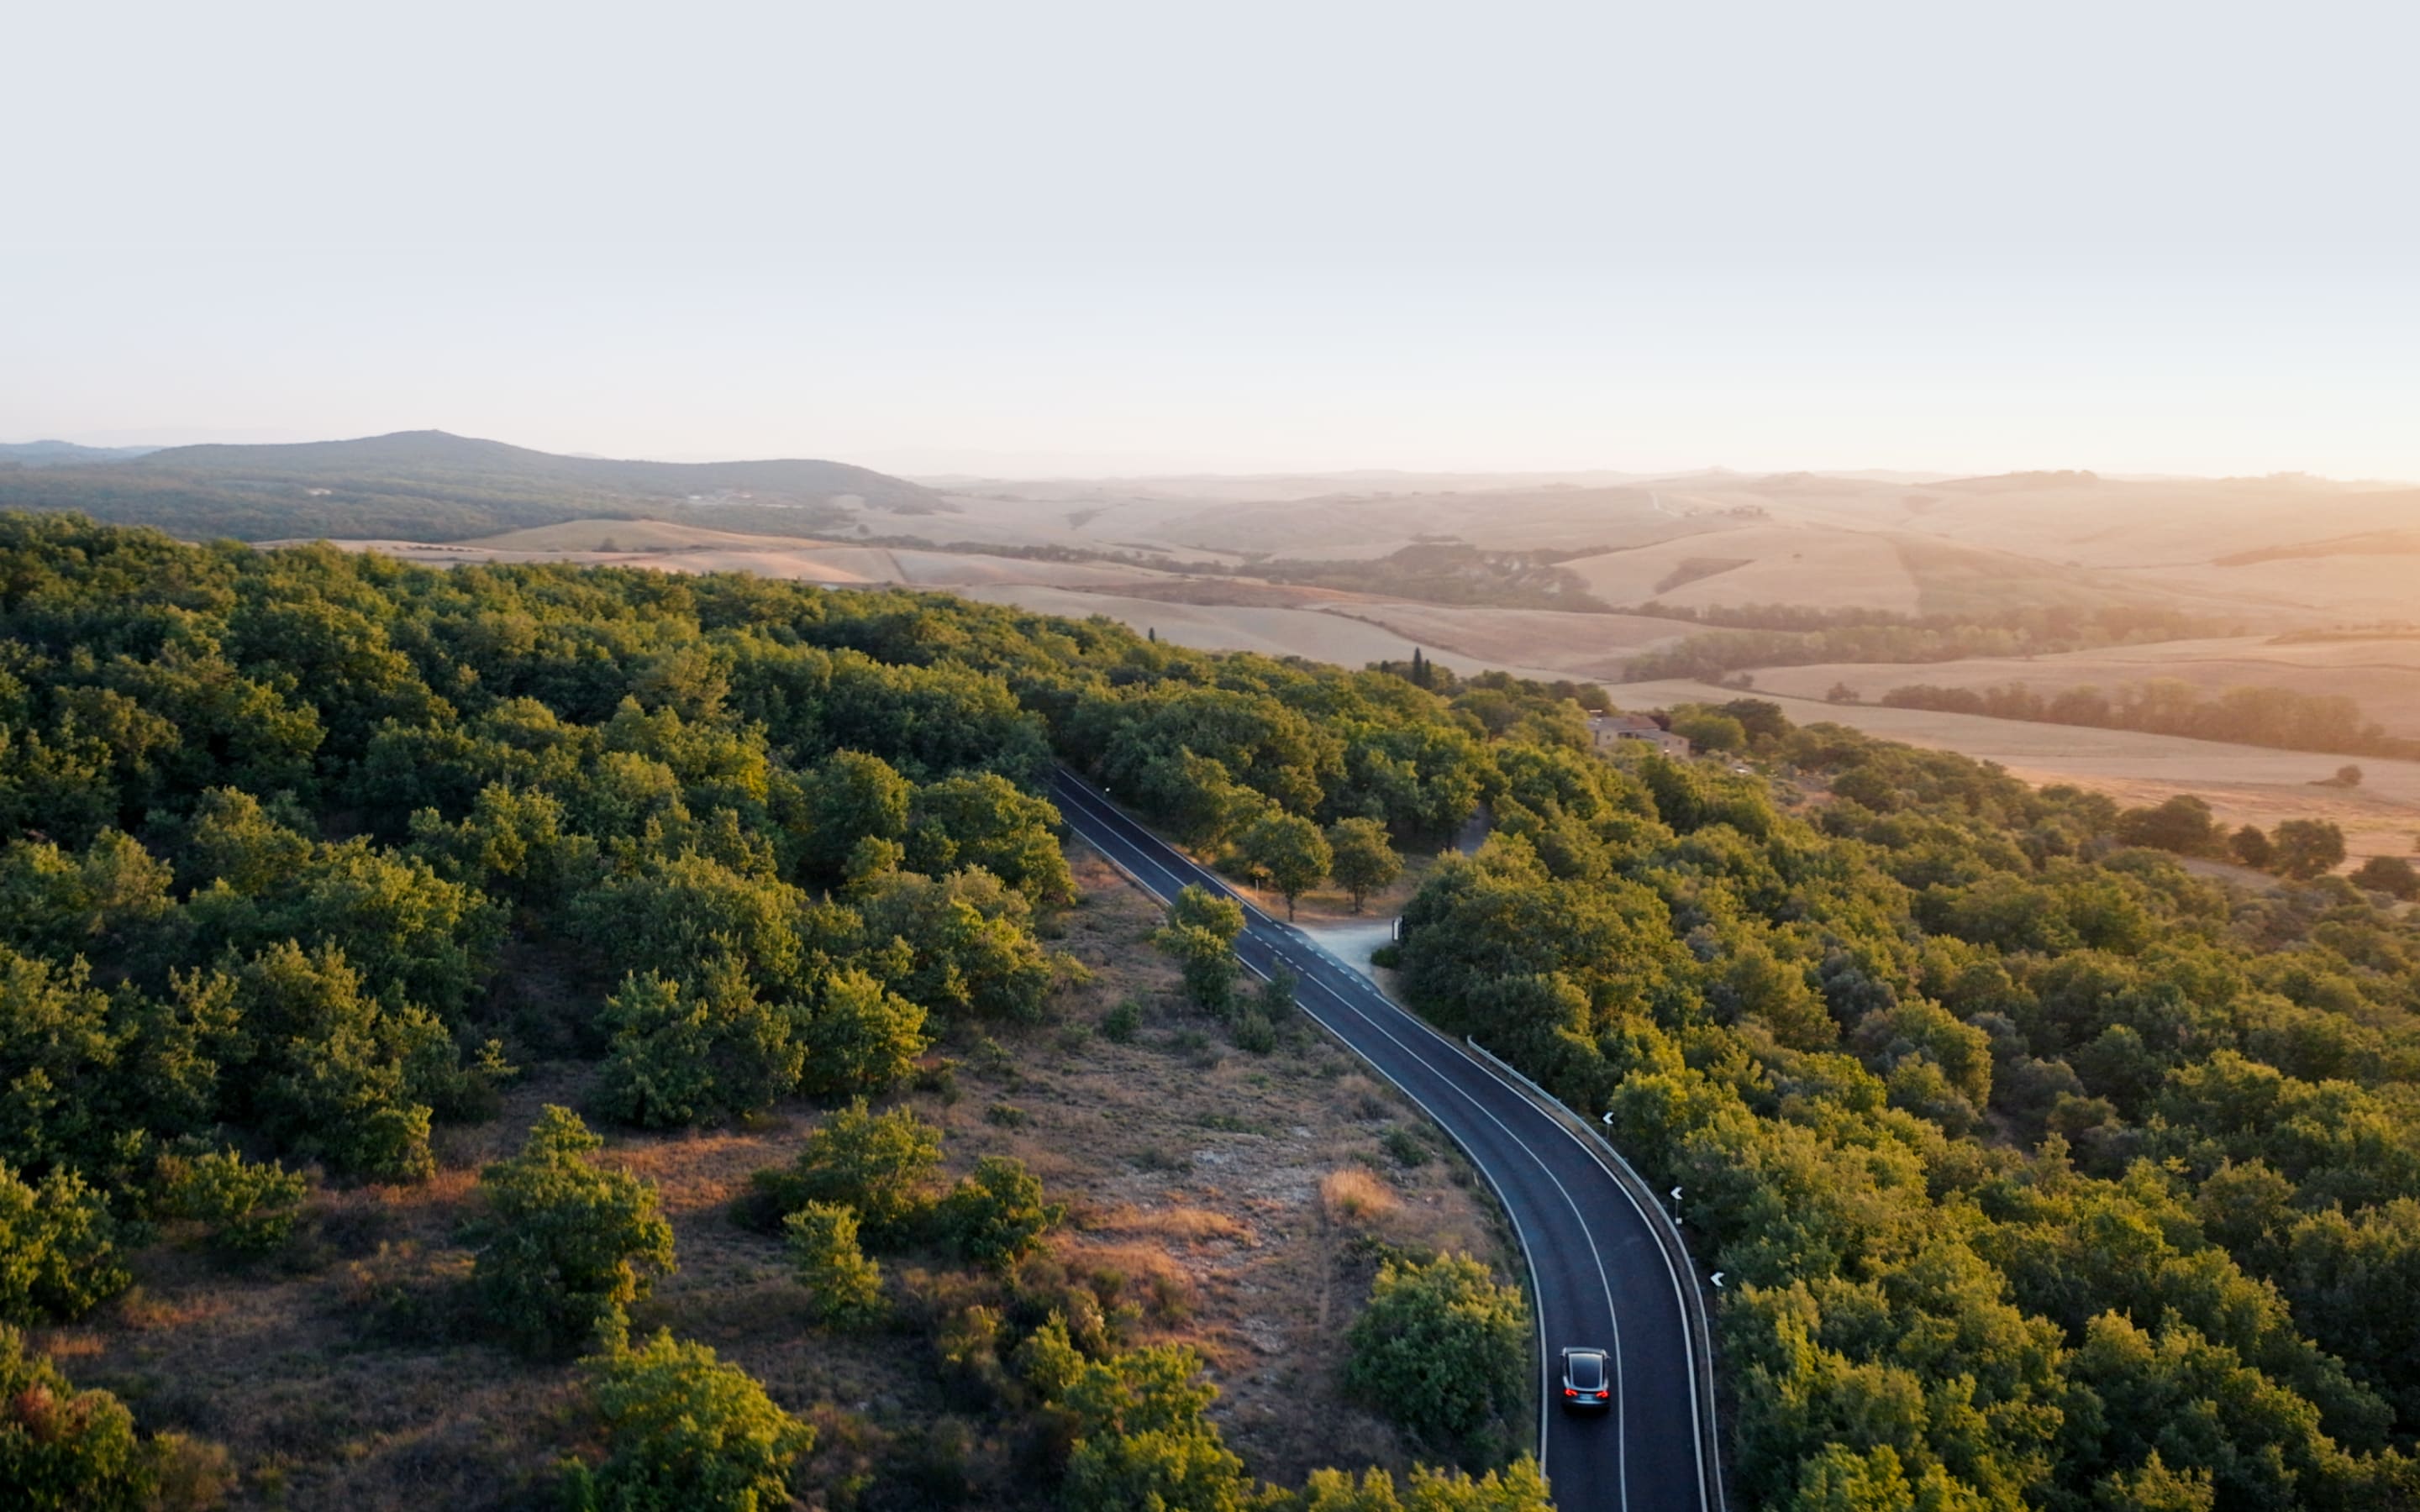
point(62, 453)
point(438, 452)
point(430, 485)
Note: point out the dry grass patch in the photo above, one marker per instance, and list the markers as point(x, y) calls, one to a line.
point(1183, 1224)
point(1355, 1195)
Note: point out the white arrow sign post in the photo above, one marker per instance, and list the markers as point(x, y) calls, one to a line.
point(1606, 1120)
point(1676, 1194)
point(1718, 1280)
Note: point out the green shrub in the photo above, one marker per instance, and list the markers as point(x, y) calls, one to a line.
point(1407, 1145)
point(566, 1246)
point(1253, 1032)
point(861, 1038)
point(58, 1249)
point(684, 1433)
point(337, 1073)
point(1441, 1348)
point(2252, 847)
point(249, 1207)
point(705, 1052)
point(1142, 1436)
point(971, 945)
point(1121, 1024)
point(823, 1253)
point(2390, 874)
point(1206, 960)
point(880, 1165)
point(996, 1215)
point(65, 1450)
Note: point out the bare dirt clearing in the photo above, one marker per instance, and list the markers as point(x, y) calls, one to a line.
point(1594, 647)
point(1273, 632)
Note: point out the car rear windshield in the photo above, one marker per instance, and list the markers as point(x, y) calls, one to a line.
point(1588, 1371)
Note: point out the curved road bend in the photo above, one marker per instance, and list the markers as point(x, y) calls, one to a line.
point(1598, 1273)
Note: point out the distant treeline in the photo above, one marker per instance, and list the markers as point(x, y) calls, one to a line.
point(1446, 573)
point(1785, 635)
point(1037, 551)
point(404, 508)
point(2278, 718)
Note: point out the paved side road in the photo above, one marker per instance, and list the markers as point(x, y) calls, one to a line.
point(1598, 1273)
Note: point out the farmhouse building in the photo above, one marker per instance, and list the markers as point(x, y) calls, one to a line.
point(1607, 729)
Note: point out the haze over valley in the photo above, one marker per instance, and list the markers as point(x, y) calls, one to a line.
point(2291, 581)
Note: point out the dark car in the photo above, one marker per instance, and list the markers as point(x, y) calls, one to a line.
point(1584, 1380)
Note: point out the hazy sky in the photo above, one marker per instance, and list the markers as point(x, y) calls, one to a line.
point(1123, 237)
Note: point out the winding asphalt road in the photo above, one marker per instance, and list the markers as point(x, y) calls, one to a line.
point(1601, 1274)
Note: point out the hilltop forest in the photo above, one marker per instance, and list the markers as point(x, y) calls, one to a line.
point(430, 486)
point(2044, 1172)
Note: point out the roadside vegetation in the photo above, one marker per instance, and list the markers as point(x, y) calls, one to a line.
point(2045, 1172)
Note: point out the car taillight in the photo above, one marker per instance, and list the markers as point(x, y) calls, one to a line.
point(1602, 1396)
point(1568, 1391)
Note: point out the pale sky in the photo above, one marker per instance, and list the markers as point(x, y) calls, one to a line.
point(1122, 238)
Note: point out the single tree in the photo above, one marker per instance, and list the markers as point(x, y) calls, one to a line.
point(862, 1037)
point(1208, 960)
point(2390, 874)
point(1290, 851)
point(1360, 857)
point(698, 1054)
point(1442, 1348)
point(2308, 848)
point(825, 1255)
point(880, 1165)
point(2181, 825)
point(58, 1249)
point(852, 799)
point(997, 1216)
point(684, 1433)
point(565, 1245)
point(1709, 729)
point(1201, 908)
point(2251, 846)
point(981, 819)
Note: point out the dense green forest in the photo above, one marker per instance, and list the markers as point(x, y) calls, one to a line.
point(2274, 716)
point(2045, 1173)
point(281, 834)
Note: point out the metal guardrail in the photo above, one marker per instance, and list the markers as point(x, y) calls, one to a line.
point(1667, 1235)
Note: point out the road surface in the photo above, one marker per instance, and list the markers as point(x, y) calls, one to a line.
point(1599, 1272)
